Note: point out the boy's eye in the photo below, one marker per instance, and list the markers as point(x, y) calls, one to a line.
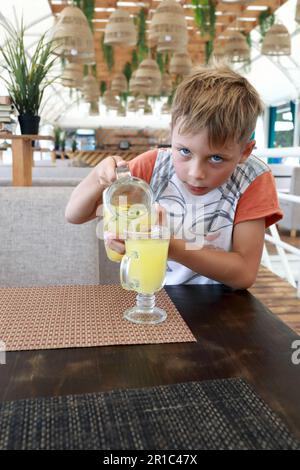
point(184, 152)
point(216, 159)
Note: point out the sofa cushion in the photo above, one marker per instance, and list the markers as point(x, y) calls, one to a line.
point(109, 272)
point(291, 210)
point(38, 246)
point(45, 182)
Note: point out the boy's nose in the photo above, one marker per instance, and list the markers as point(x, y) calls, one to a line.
point(197, 172)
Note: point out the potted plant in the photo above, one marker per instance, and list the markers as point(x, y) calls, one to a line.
point(57, 132)
point(63, 145)
point(74, 145)
point(27, 77)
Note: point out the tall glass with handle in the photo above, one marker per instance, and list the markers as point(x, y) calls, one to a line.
point(143, 270)
point(127, 206)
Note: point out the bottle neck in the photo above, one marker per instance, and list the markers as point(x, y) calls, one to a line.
point(122, 172)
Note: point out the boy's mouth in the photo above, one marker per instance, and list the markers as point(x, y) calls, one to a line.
point(197, 189)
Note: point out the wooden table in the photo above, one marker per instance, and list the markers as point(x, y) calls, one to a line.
point(22, 156)
point(236, 337)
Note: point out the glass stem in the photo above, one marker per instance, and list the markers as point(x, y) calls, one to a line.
point(145, 301)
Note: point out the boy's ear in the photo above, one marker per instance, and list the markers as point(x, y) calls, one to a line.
point(247, 150)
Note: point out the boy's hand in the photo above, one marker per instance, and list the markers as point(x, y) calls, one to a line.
point(106, 170)
point(115, 244)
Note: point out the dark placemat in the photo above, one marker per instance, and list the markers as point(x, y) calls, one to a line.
point(219, 414)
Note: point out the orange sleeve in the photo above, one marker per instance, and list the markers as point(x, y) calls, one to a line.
point(258, 201)
point(142, 165)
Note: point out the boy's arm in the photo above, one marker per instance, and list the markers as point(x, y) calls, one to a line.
point(237, 268)
point(87, 196)
point(84, 200)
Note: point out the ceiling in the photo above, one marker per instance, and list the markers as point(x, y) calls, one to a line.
point(243, 15)
point(277, 79)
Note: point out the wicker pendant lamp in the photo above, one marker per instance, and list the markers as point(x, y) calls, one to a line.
point(156, 91)
point(74, 37)
point(141, 102)
point(132, 84)
point(121, 111)
point(90, 89)
point(120, 30)
point(236, 48)
point(148, 73)
point(148, 109)
point(218, 51)
point(108, 96)
point(277, 41)
point(72, 76)
point(297, 12)
point(109, 100)
point(113, 105)
point(166, 85)
point(181, 64)
point(166, 108)
point(94, 109)
point(136, 87)
point(119, 84)
point(141, 85)
point(168, 28)
point(132, 106)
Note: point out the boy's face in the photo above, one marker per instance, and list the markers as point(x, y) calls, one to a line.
point(202, 168)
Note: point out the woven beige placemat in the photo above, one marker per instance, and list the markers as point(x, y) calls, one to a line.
point(81, 316)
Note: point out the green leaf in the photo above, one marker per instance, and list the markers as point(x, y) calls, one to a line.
point(103, 87)
point(266, 19)
point(108, 54)
point(205, 16)
point(161, 62)
point(142, 48)
point(209, 45)
point(88, 8)
point(94, 70)
point(127, 70)
point(135, 59)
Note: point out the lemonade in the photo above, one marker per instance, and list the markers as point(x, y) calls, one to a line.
point(147, 267)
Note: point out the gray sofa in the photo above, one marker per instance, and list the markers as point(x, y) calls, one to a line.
point(291, 210)
point(50, 171)
point(47, 176)
point(282, 174)
point(38, 246)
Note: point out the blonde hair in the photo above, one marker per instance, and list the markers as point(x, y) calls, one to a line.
point(220, 100)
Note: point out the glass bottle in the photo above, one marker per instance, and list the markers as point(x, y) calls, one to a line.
point(127, 206)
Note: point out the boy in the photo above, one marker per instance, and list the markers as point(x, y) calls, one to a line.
point(214, 114)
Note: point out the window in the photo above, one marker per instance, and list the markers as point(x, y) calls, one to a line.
point(281, 131)
point(86, 138)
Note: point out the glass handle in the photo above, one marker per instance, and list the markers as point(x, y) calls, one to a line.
point(126, 282)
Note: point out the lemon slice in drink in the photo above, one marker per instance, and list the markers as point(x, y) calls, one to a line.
point(136, 210)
